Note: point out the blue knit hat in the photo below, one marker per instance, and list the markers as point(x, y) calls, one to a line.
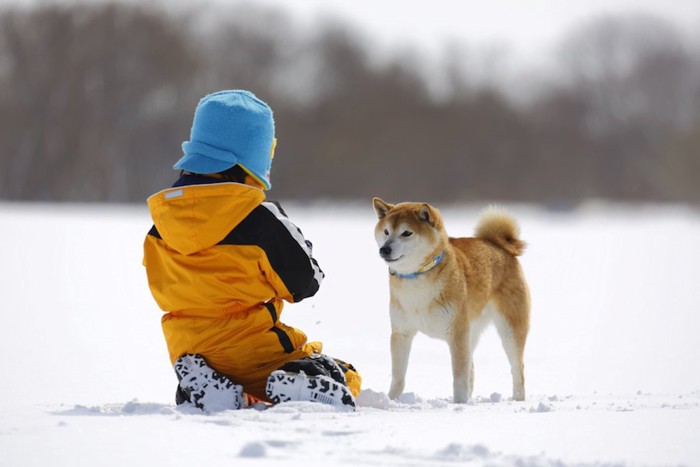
point(229, 128)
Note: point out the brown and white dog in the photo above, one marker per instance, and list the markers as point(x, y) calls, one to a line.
point(451, 288)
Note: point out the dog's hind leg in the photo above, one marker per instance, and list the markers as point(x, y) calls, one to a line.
point(512, 321)
point(400, 351)
point(513, 341)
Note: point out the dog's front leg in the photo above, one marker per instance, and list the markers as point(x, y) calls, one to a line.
point(400, 350)
point(461, 365)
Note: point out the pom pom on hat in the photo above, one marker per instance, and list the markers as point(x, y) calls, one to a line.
point(229, 128)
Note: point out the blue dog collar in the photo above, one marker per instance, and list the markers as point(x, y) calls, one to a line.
point(437, 260)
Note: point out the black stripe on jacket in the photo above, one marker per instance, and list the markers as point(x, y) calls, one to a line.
point(294, 266)
point(284, 339)
point(262, 228)
point(154, 233)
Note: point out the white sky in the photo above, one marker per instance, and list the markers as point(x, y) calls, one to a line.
point(526, 28)
point(523, 31)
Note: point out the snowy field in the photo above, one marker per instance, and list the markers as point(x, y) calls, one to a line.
point(612, 363)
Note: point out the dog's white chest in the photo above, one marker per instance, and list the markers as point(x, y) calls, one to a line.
point(416, 308)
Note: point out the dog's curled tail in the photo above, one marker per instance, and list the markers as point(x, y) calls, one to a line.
point(498, 227)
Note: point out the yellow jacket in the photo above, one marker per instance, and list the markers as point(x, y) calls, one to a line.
point(220, 261)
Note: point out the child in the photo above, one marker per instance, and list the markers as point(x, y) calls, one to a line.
point(220, 261)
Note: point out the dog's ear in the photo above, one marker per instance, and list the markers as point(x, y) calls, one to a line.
point(381, 207)
point(426, 214)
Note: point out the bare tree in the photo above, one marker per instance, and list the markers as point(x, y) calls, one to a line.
point(95, 101)
point(637, 80)
point(91, 92)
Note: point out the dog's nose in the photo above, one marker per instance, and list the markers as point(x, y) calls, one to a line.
point(385, 251)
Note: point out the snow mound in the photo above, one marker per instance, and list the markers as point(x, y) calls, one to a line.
point(373, 399)
point(129, 408)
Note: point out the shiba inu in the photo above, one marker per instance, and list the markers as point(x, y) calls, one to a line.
point(452, 288)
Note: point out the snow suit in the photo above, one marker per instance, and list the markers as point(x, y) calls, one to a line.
point(220, 261)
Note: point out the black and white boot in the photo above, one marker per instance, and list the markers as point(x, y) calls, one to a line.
point(284, 386)
point(204, 387)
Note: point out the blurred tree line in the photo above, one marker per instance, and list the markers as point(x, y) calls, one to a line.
point(95, 100)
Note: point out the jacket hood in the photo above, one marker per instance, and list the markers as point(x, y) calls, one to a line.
point(192, 218)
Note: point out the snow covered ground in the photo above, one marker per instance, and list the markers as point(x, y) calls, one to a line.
point(612, 367)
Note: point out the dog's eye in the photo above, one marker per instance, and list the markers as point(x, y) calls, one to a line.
point(406, 233)
point(386, 232)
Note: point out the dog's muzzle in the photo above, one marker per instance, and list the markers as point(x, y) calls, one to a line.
point(385, 252)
